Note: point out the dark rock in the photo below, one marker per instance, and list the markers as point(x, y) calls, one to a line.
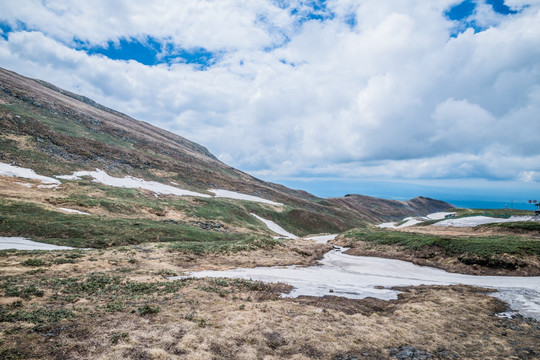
point(346, 357)
point(446, 354)
point(275, 340)
point(370, 354)
point(210, 225)
point(407, 352)
point(170, 221)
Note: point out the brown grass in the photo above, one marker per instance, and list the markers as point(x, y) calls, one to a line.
point(199, 322)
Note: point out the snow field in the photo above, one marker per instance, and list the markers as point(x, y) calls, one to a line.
point(239, 196)
point(276, 228)
point(19, 172)
point(20, 243)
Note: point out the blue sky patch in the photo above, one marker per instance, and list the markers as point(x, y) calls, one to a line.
point(463, 14)
point(351, 21)
point(152, 52)
point(461, 11)
point(5, 29)
point(145, 53)
point(500, 7)
point(198, 56)
point(312, 10)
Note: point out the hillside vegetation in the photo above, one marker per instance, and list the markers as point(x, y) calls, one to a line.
point(470, 251)
point(53, 132)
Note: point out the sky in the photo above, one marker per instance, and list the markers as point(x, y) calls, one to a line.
point(385, 98)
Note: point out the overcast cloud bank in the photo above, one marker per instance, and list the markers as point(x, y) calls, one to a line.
point(285, 89)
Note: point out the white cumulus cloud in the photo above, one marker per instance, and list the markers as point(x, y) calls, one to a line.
point(363, 89)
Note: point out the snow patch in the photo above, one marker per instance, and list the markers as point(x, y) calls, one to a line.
point(276, 228)
point(20, 172)
point(322, 239)
point(19, 243)
point(388, 225)
point(72, 211)
point(239, 196)
point(409, 221)
point(358, 277)
point(439, 215)
point(51, 186)
point(131, 182)
point(473, 221)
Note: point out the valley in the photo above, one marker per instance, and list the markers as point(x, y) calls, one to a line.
point(143, 210)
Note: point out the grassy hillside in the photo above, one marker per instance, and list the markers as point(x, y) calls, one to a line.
point(54, 132)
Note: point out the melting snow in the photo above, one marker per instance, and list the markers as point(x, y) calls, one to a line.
point(322, 239)
point(408, 222)
point(234, 195)
point(19, 243)
point(16, 171)
point(472, 221)
point(357, 277)
point(51, 186)
point(391, 225)
point(74, 211)
point(439, 215)
point(276, 228)
point(131, 182)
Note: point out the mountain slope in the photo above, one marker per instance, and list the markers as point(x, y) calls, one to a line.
point(53, 131)
point(376, 209)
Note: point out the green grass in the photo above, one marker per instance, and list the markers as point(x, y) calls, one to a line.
point(303, 222)
point(401, 222)
point(130, 201)
point(34, 262)
point(115, 200)
point(483, 246)
point(245, 244)
point(236, 213)
point(518, 226)
point(101, 232)
point(96, 284)
point(297, 221)
point(65, 126)
point(37, 316)
point(42, 163)
point(147, 309)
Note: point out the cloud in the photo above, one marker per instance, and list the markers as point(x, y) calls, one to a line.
point(369, 89)
point(204, 23)
point(529, 176)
